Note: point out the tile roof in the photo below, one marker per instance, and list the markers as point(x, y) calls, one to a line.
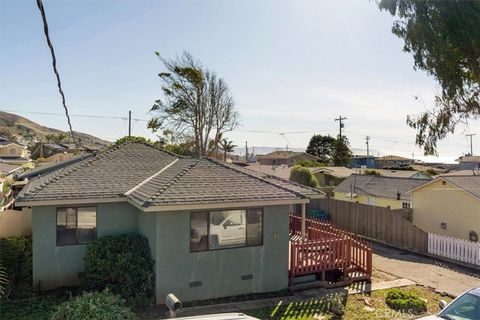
point(49, 167)
point(385, 187)
point(474, 159)
point(282, 171)
point(151, 177)
point(338, 172)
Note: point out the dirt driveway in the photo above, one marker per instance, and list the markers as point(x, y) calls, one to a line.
point(390, 263)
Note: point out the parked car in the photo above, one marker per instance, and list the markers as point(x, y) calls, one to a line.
point(464, 307)
point(221, 316)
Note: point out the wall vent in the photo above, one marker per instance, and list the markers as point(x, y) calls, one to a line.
point(195, 284)
point(247, 277)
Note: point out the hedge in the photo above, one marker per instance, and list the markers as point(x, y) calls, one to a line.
point(94, 306)
point(122, 264)
point(405, 301)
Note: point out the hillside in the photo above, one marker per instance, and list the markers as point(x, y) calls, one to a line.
point(27, 132)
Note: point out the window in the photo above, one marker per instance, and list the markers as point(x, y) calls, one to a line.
point(76, 225)
point(226, 229)
point(406, 205)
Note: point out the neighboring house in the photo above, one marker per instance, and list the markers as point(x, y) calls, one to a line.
point(358, 161)
point(187, 208)
point(468, 162)
point(12, 152)
point(403, 173)
point(377, 190)
point(288, 158)
point(330, 177)
point(45, 150)
point(282, 171)
point(448, 205)
point(393, 162)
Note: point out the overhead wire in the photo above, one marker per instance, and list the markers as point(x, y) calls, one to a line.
point(54, 65)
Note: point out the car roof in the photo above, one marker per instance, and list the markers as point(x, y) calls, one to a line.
point(221, 316)
point(475, 292)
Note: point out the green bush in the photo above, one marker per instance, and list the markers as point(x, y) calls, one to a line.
point(371, 172)
point(123, 265)
point(93, 306)
point(309, 163)
point(303, 176)
point(405, 301)
point(16, 261)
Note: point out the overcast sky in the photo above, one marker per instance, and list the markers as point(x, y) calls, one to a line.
point(292, 66)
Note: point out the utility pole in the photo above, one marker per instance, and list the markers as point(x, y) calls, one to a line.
point(368, 150)
point(471, 142)
point(129, 123)
point(340, 120)
point(246, 151)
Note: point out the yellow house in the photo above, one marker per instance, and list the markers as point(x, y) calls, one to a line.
point(379, 191)
point(449, 205)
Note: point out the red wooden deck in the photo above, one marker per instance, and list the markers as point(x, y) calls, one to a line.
point(327, 248)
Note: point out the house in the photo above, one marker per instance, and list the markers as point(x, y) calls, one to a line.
point(288, 158)
point(12, 152)
point(359, 161)
point(281, 171)
point(330, 177)
point(402, 173)
point(379, 191)
point(392, 161)
point(468, 162)
point(214, 229)
point(45, 150)
point(448, 205)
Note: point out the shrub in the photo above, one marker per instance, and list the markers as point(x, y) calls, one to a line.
point(309, 163)
point(16, 262)
point(371, 172)
point(405, 301)
point(123, 265)
point(303, 176)
point(93, 306)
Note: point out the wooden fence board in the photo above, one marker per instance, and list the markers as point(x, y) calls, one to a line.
point(374, 222)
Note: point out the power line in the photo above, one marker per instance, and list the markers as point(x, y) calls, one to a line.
point(74, 115)
point(54, 64)
point(341, 125)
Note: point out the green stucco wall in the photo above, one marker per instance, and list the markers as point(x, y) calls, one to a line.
point(220, 271)
point(176, 268)
point(56, 266)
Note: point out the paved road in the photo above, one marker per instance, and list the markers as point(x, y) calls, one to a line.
point(443, 277)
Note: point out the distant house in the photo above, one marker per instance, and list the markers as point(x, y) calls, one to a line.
point(403, 173)
point(357, 161)
point(282, 171)
point(378, 190)
point(468, 162)
point(45, 150)
point(330, 177)
point(12, 152)
point(448, 205)
point(288, 158)
point(393, 162)
point(214, 229)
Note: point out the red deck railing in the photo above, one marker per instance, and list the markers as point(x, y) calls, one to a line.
point(326, 248)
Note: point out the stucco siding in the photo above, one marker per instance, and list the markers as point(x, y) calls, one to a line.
point(147, 227)
point(220, 271)
point(55, 266)
point(436, 203)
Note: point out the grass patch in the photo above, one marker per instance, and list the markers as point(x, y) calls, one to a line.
point(356, 307)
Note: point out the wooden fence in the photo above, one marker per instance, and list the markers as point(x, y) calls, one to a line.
point(454, 248)
point(15, 223)
point(374, 222)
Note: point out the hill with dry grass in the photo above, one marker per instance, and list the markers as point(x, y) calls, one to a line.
point(25, 131)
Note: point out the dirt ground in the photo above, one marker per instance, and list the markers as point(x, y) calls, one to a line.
point(390, 264)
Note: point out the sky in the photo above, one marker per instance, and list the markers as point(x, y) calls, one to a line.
point(292, 67)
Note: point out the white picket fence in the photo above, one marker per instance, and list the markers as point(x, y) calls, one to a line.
point(454, 248)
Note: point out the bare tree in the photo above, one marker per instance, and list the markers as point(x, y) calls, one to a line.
point(195, 102)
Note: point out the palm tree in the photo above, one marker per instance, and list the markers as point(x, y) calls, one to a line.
point(226, 146)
